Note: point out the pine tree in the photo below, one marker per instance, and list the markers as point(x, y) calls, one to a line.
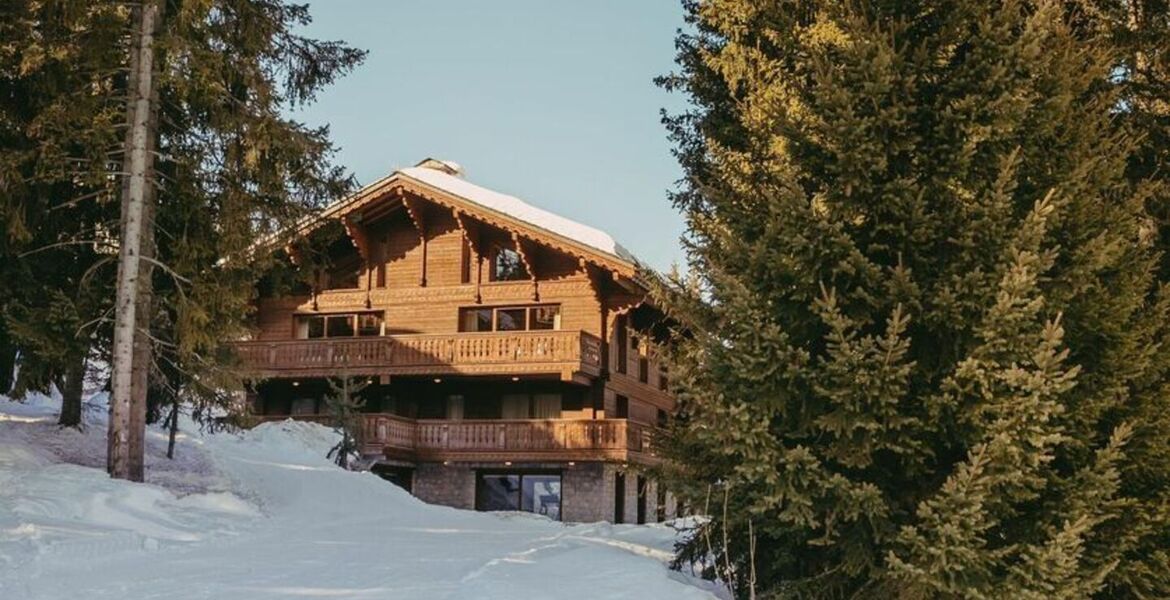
point(920, 347)
point(345, 404)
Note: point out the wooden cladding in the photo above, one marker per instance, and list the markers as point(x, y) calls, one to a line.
point(482, 353)
point(527, 439)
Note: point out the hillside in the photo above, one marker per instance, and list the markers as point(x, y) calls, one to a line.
point(263, 514)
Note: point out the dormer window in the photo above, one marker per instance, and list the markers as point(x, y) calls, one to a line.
point(507, 265)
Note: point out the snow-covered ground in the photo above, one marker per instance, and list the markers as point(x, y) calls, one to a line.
point(263, 514)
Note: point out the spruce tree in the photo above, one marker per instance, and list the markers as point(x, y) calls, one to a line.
point(920, 347)
point(345, 404)
point(59, 70)
point(232, 168)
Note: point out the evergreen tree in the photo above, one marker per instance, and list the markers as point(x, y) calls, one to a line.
point(59, 69)
point(232, 169)
point(345, 405)
point(923, 331)
point(237, 170)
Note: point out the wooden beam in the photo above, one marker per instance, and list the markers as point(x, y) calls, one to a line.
point(527, 254)
point(417, 214)
point(473, 237)
point(357, 235)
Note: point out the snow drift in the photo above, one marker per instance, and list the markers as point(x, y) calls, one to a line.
point(263, 514)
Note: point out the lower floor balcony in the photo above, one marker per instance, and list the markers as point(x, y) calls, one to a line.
point(500, 440)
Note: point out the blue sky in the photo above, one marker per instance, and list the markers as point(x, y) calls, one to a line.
point(551, 101)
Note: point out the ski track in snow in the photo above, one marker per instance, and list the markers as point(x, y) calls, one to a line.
point(264, 515)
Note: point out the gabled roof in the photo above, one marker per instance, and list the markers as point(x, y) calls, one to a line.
point(445, 178)
point(518, 209)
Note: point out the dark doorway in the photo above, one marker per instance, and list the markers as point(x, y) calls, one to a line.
point(641, 500)
point(619, 498)
point(402, 477)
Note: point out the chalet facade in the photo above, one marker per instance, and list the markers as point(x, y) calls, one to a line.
point(509, 353)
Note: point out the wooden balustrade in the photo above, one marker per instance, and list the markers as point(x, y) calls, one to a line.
point(477, 353)
point(528, 440)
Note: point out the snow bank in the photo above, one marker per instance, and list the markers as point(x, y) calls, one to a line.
point(263, 514)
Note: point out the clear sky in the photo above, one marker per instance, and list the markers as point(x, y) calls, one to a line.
point(551, 101)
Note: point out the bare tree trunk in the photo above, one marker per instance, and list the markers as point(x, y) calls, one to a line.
point(71, 394)
point(140, 377)
point(124, 452)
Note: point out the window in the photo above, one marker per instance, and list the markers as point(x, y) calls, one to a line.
point(643, 369)
point(623, 407)
point(541, 494)
point(475, 319)
point(545, 317)
point(339, 326)
point(623, 344)
point(510, 318)
point(538, 493)
point(369, 324)
point(314, 327)
point(498, 492)
point(507, 265)
point(303, 406)
point(309, 327)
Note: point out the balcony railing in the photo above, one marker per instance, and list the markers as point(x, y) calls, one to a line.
point(472, 353)
point(527, 440)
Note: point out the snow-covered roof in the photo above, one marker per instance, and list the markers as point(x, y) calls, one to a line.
point(515, 208)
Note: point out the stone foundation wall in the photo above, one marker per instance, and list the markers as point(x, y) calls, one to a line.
point(446, 485)
point(587, 489)
point(587, 493)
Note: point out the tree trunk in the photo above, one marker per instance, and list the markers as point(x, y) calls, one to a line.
point(7, 363)
point(124, 451)
point(71, 394)
point(173, 425)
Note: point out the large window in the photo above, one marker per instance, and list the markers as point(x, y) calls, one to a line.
point(507, 265)
point(538, 493)
point(343, 325)
point(510, 318)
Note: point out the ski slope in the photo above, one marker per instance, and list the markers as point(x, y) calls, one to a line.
point(263, 514)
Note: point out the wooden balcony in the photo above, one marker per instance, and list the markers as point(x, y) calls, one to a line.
point(568, 353)
point(499, 440)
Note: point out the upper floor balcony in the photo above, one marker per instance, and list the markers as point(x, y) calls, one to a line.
point(568, 353)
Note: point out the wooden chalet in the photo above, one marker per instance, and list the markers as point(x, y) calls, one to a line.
point(509, 352)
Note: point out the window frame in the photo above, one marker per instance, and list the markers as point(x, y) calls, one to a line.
point(324, 318)
point(519, 474)
point(529, 310)
point(521, 273)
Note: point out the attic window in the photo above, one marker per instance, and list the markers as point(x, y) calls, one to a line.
point(507, 265)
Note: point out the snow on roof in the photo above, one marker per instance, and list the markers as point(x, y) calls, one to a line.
point(517, 209)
